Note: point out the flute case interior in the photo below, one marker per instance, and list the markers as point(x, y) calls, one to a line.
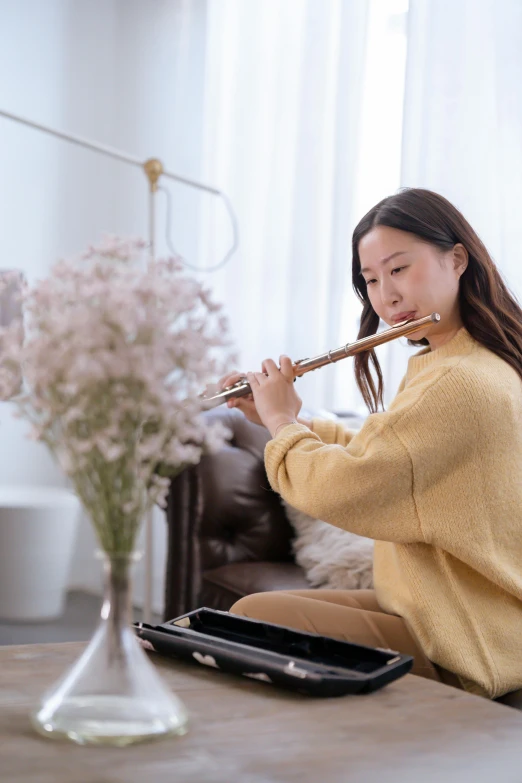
point(306, 662)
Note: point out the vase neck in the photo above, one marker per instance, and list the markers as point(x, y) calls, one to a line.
point(117, 590)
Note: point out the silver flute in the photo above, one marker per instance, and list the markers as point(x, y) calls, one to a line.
point(242, 387)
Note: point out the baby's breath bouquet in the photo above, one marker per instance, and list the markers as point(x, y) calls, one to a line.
point(113, 354)
point(116, 352)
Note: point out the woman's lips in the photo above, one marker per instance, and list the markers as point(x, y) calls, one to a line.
point(404, 316)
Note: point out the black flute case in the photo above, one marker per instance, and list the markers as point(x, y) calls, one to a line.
point(306, 662)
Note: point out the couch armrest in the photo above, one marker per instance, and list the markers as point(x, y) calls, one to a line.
point(183, 571)
point(222, 511)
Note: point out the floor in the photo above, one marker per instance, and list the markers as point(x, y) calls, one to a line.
point(77, 623)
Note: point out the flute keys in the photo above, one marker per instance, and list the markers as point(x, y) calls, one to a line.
point(235, 385)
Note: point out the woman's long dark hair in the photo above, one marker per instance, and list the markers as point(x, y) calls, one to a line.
point(490, 313)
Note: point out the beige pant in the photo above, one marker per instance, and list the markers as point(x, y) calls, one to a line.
point(351, 615)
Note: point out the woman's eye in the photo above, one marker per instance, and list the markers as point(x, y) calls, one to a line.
point(397, 269)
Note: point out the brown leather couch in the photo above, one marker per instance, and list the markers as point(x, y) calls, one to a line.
point(228, 535)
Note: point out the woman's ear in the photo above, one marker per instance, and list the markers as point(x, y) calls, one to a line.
point(460, 258)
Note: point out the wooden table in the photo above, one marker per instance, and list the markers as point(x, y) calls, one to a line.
point(242, 731)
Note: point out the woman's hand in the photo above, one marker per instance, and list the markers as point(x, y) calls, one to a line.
point(275, 398)
point(245, 404)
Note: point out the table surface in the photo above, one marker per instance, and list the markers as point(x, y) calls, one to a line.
point(241, 731)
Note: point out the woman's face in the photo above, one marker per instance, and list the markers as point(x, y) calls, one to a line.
point(407, 278)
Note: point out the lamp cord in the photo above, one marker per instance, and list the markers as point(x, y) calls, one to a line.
point(170, 245)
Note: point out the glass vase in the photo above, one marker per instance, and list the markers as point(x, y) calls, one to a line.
point(112, 695)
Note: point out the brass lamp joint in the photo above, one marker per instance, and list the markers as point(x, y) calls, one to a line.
point(153, 169)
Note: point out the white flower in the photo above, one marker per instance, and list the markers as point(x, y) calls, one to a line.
point(113, 356)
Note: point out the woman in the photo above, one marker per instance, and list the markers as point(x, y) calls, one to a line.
point(436, 479)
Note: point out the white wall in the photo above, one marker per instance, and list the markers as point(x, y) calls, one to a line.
point(106, 70)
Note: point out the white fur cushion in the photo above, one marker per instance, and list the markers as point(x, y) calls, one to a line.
point(330, 557)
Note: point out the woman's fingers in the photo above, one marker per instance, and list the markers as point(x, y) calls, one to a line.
point(226, 379)
point(230, 379)
point(286, 366)
point(269, 366)
point(253, 378)
point(241, 402)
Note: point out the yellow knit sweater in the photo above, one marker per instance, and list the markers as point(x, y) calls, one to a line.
point(436, 480)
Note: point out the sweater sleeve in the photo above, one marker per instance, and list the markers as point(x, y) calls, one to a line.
point(332, 431)
point(367, 486)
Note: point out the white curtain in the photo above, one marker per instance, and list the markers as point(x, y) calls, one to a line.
point(462, 130)
point(297, 95)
